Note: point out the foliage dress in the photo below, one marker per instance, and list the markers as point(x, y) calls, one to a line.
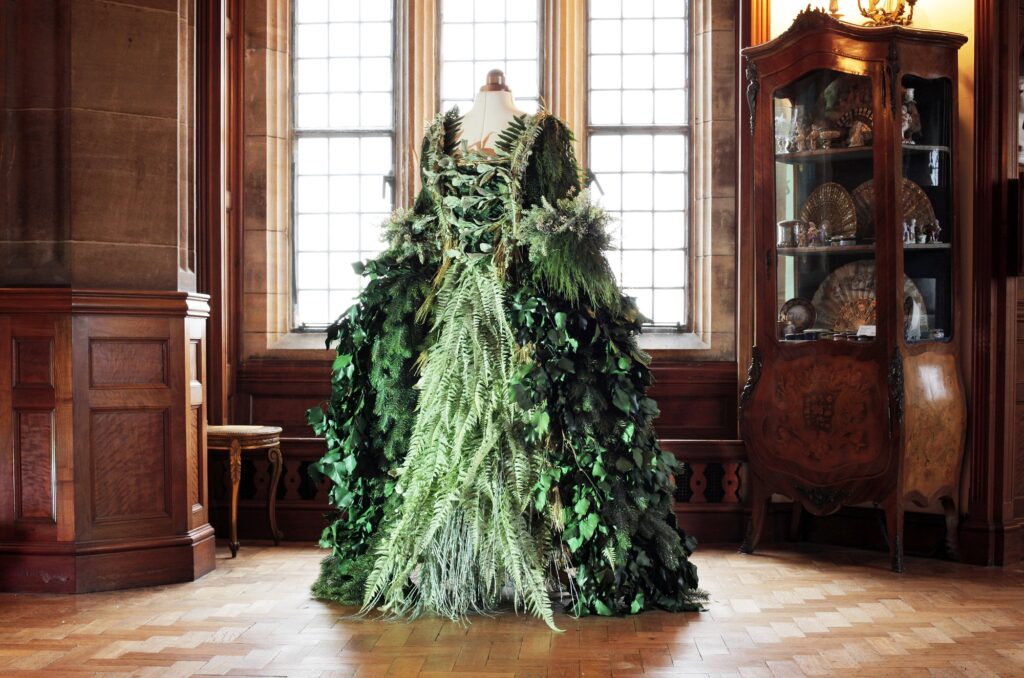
point(489, 435)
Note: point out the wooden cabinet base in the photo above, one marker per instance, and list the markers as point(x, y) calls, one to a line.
point(106, 567)
point(102, 425)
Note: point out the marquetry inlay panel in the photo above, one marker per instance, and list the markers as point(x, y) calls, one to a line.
point(129, 464)
point(119, 363)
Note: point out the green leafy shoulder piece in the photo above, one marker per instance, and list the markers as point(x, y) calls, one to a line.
point(543, 158)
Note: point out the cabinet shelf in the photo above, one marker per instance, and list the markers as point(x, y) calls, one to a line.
point(854, 249)
point(834, 154)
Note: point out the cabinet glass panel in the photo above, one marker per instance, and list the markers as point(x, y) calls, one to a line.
point(925, 209)
point(824, 162)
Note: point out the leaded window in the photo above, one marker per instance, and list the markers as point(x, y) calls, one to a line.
point(480, 35)
point(638, 137)
point(344, 128)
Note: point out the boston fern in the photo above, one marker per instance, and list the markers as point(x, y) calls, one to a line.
point(489, 434)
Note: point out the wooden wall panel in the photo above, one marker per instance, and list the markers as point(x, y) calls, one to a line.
point(130, 426)
point(33, 362)
point(35, 473)
point(198, 493)
point(29, 401)
point(697, 400)
point(697, 424)
point(130, 470)
point(122, 363)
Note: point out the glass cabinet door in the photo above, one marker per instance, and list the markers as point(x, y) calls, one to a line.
point(826, 279)
point(925, 208)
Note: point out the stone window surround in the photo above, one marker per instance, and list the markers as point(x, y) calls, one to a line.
point(267, 182)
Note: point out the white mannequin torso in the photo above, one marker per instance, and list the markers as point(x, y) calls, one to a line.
point(492, 111)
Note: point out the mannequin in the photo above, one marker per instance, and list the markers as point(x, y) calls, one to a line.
point(493, 109)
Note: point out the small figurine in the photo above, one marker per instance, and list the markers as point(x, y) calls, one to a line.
point(907, 233)
point(857, 130)
point(801, 141)
point(912, 122)
point(812, 235)
point(827, 137)
point(932, 231)
point(907, 124)
point(911, 319)
point(812, 139)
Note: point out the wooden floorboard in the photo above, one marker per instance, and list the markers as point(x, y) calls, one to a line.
point(802, 610)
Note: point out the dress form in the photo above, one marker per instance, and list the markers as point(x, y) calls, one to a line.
point(492, 111)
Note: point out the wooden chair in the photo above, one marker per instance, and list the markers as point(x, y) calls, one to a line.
point(236, 440)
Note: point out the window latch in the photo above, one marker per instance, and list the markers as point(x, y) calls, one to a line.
point(591, 178)
point(387, 181)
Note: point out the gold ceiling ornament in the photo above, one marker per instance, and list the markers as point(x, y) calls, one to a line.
point(887, 12)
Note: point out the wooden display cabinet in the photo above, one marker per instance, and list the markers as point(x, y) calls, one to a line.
point(854, 392)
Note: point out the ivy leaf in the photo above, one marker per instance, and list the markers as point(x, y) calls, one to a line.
point(602, 609)
point(588, 525)
point(350, 463)
point(582, 506)
point(621, 400)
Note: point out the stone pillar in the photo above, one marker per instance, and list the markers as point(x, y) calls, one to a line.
point(102, 402)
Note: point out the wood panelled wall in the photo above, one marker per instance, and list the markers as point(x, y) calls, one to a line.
point(102, 408)
point(697, 423)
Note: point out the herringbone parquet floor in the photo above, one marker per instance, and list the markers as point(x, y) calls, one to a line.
point(789, 611)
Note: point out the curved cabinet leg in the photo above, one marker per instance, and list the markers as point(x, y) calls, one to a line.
point(894, 532)
point(274, 455)
point(756, 525)
point(235, 462)
point(952, 528)
point(794, 521)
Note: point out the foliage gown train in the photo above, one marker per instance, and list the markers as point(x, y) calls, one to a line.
point(488, 435)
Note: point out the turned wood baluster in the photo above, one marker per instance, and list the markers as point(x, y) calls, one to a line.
point(698, 483)
point(731, 483)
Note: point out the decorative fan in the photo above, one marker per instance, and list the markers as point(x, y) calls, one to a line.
point(832, 204)
point(913, 204)
point(846, 298)
point(862, 114)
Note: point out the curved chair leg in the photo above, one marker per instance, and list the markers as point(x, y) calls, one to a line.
point(235, 462)
point(894, 532)
point(274, 455)
point(952, 528)
point(759, 506)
